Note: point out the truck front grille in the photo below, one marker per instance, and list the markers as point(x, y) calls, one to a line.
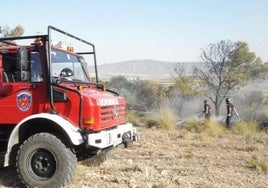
point(109, 113)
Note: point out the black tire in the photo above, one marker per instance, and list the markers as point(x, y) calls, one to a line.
point(44, 161)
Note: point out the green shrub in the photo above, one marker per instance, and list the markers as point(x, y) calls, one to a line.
point(164, 118)
point(193, 125)
point(152, 123)
point(133, 118)
point(258, 165)
point(189, 154)
point(214, 128)
point(211, 130)
point(167, 118)
point(249, 129)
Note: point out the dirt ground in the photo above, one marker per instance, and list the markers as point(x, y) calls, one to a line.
point(170, 159)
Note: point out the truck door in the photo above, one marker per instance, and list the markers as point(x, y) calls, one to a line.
point(23, 90)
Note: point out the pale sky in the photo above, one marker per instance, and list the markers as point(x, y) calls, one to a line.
point(166, 30)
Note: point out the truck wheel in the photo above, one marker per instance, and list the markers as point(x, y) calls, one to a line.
point(44, 161)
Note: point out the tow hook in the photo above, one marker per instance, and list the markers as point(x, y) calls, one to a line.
point(128, 144)
point(128, 139)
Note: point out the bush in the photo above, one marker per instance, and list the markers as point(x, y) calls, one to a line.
point(257, 164)
point(207, 130)
point(167, 118)
point(214, 128)
point(249, 129)
point(211, 130)
point(133, 118)
point(163, 118)
point(152, 123)
point(193, 125)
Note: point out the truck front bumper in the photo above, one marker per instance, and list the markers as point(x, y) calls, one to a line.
point(122, 134)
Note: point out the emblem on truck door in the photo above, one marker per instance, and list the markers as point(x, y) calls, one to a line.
point(24, 100)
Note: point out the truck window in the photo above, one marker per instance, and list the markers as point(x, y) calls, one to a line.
point(9, 68)
point(36, 67)
point(61, 60)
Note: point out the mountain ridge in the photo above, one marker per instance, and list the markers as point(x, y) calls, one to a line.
point(144, 69)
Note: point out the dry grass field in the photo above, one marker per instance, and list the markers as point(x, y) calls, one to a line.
point(184, 157)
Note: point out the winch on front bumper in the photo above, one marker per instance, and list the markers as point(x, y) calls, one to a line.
point(122, 134)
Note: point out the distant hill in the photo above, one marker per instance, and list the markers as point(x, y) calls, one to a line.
point(143, 69)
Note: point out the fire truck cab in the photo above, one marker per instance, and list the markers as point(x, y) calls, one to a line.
point(51, 113)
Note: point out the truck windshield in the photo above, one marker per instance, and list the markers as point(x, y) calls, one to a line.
point(61, 60)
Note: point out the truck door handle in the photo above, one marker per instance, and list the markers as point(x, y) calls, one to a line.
point(34, 86)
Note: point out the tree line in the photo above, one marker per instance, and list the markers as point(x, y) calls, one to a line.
point(6, 31)
point(226, 66)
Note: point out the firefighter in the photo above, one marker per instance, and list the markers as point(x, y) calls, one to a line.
point(230, 111)
point(207, 110)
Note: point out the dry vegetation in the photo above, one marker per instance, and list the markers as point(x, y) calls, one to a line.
point(194, 155)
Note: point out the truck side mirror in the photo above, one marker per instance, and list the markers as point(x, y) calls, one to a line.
point(23, 65)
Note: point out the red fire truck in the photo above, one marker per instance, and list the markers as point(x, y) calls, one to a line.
point(51, 113)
